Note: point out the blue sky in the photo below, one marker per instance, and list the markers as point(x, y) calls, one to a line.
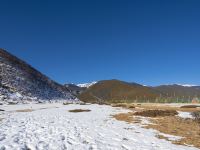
point(149, 42)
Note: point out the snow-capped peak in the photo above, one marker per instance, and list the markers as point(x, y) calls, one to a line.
point(87, 85)
point(187, 85)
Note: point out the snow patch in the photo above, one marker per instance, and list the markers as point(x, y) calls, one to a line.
point(185, 115)
point(87, 85)
point(187, 85)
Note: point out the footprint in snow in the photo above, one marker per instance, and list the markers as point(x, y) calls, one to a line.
point(125, 147)
point(2, 138)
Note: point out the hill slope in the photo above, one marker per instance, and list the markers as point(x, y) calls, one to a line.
point(20, 79)
point(176, 90)
point(76, 90)
point(116, 91)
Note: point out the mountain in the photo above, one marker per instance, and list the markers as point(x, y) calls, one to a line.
point(18, 80)
point(76, 90)
point(87, 85)
point(177, 90)
point(118, 91)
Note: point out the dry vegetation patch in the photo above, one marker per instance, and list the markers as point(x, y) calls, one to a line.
point(189, 129)
point(127, 117)
point(25, 110)
point(79, 110)
point(123, 105)
point(165, 121)
point(119, 105)
point(185, 108)
point(190, 106)
point(156, 113)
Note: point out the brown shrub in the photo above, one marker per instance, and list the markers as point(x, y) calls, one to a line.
point(79, 110)
point(156, 113)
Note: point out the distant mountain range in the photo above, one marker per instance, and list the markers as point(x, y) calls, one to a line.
point(19, 81)
point(120, 91)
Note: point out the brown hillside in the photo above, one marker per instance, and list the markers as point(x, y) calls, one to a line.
point(118, 91)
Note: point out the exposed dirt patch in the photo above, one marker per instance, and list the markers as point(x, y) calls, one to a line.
point(156, 113)
point(79, 110)
point(25, 110)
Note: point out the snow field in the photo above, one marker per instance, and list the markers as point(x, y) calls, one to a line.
point(54, 128)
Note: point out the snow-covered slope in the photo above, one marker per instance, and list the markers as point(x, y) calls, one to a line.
point(87, 85)
point(19, 81)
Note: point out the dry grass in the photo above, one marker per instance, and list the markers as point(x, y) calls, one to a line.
point(127, 117)
point(156, 113)
point(123, 105)
point(186, 128)
point(79, 110)
point(24, 110)
point(167, 107)
point(165, 121)
point(189, 106)
point(119, 105)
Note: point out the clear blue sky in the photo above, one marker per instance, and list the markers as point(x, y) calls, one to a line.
point(151, 42)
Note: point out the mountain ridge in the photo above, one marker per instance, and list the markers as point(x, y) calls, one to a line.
point(121, 91)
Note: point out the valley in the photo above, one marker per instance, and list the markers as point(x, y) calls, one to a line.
point(53, 126)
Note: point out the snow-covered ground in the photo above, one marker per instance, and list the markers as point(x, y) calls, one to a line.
point(55, 128)
point(185, 115)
